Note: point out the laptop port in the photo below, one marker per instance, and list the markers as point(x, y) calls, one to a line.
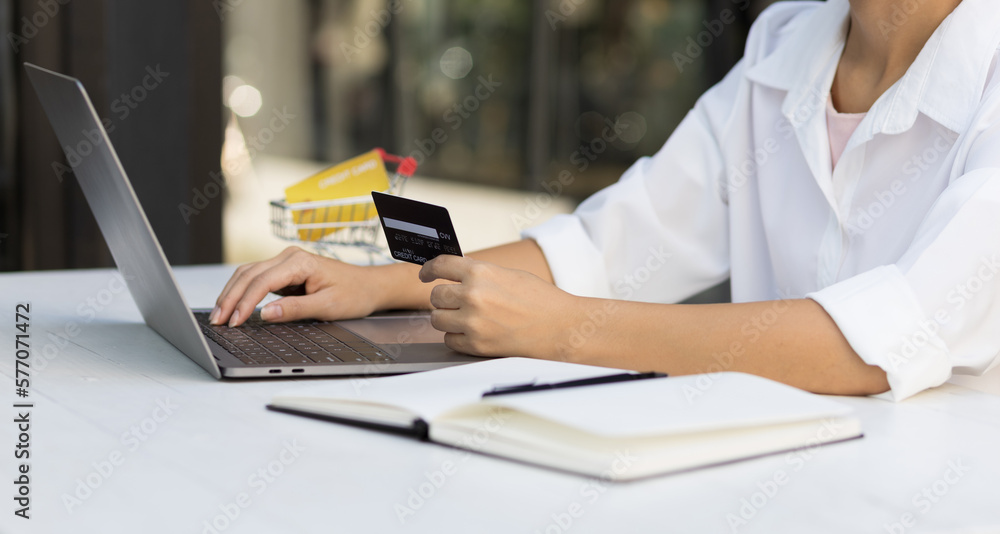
point(274, 371)
point(298, 370)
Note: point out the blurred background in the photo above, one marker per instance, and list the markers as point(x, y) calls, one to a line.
point(494, 99)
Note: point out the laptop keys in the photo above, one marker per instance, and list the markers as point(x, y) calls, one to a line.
point(258, 343)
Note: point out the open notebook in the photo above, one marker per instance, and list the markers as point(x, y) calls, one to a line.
point(619, 431)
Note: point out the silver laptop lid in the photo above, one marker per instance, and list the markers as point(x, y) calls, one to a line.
point(116, 208)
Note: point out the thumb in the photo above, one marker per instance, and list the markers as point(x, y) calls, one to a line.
point(294, 308)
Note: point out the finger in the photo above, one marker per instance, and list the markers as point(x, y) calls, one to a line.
point(447, 296)
point(236, 285)
point(234, 290)
point(288, 309)
point(284, 274)
point(246, 267)
point(232, 280)
point(446, 266)
point(449, 321)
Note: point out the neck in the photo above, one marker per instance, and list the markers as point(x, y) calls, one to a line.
point(886, 34)
point(882, 41)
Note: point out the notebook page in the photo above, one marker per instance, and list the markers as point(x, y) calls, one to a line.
point(674, 405)
point(431, 393)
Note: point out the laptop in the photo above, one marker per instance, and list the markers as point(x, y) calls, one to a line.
point(380, 344)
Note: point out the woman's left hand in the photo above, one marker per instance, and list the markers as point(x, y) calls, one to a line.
point(493, 311)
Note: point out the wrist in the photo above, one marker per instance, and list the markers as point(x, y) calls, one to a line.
point(585, 329)
point(396, 286)
point(573, 329)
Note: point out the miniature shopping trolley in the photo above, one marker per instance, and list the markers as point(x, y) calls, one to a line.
point(335, 227)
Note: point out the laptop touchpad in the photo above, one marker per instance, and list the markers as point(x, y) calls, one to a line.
point(395, 330)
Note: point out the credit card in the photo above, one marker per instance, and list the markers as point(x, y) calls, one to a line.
point(417, 232)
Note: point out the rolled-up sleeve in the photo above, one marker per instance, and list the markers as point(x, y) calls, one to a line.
point(937, 310)
point(660, 234)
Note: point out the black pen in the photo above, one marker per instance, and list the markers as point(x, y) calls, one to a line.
point(608, 379)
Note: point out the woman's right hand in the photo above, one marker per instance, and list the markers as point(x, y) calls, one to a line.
point(333, 289)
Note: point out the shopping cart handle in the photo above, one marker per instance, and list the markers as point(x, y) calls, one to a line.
point(406, 166)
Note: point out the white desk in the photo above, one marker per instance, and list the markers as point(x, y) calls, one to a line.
point(195, 462)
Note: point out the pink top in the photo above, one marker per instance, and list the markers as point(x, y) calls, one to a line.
point(840, 126)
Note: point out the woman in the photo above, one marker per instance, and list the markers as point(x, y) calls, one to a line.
point(849, 165)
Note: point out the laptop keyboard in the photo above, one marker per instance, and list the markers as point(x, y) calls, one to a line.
point(260, 343)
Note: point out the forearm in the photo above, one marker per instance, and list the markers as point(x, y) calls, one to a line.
point(402, 289)
point(791, 341)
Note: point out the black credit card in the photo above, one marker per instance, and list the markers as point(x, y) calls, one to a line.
point(417, 232)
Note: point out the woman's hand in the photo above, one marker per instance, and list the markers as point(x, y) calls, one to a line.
point(493, 311)
point(333, 289)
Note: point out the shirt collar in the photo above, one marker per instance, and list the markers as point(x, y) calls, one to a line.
point(945, 82)
point(801, 64)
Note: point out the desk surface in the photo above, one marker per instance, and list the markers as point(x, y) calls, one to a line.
point(169, 449)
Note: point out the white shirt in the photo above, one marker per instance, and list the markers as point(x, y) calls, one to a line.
point(900, 243)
